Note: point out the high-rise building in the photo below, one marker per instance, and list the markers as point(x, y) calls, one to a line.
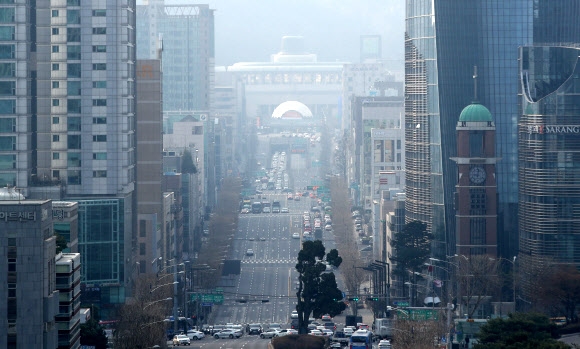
point(67, 121)
point(444, 40)
point(187, 32)
point(549, 148)
point(149, 164)
point(29, 297)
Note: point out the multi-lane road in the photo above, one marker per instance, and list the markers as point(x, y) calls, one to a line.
point(267, 280)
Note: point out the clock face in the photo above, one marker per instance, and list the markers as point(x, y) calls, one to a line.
point(477, 175)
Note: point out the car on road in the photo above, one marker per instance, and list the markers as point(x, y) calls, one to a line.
point(249, 252)
point(195, 335)
point(327, 333)
point(326, 317)
point(286, 332)
point(270, 333)
point(181, 339)
point(266, 209)
point(385, 344)
point(315, 332)
point(229, 333)
point(255, 329)
point(284, 210)
point(328, 227)
point(294, 314)
point(296, 236)
point(330, 325)
point(348, 331)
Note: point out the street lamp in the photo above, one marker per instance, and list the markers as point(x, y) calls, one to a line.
point(158, 287)
point(513, 263)
point(157, 301)
point(166, 275)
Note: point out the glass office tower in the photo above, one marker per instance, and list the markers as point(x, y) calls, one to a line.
point(549, 160)
point(187, 32)
point(445, 39)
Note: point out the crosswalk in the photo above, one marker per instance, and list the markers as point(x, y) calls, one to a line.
point(269, 261)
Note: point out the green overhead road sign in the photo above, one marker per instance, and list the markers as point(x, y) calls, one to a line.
point(423, 314)
point(208, 297)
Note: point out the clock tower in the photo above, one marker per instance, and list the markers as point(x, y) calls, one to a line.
point(476, 189)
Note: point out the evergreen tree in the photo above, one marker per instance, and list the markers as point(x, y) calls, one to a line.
point(519, 331)
point(93, 334)
point(187, 165)
point(318, 292)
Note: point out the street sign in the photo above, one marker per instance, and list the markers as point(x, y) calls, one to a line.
point(206, 304)
point(401, 304)
point(216, 298)
point(423, 314)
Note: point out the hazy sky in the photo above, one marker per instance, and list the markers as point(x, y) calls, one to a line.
point(251, 30)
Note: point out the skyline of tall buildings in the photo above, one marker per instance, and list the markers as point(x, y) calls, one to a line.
point(442, 45)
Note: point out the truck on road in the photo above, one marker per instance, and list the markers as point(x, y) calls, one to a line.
point(383, 328)
point(276, 206)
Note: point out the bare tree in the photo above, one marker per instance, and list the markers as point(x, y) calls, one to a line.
point(410, 334)
point(477, 280)
point(142, 322)
point(562, 292)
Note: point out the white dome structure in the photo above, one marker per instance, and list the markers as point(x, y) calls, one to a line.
point(291, 110)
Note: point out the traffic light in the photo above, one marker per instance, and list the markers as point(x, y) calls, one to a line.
point(354, 299)
point(374, 298)
point(265, 300)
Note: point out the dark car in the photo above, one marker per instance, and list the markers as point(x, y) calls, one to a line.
point(330, 325)
point(255, 329)
point(294, 324)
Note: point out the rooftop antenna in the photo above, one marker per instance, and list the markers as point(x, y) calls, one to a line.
point(475, 83)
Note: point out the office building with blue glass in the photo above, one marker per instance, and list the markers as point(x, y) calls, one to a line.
point(444, 40)
point(549, 160)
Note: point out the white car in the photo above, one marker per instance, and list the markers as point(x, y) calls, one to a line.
point(249, 252)
point(270, 333)
point(286, 332)
point(195, 335)
point(296, 236)
point(230, 333)
point(327, 333)
point(181, 339)
point(294, 314)
point(317, 333)
point(348, 331)
point(284, 210)
point(385, 344)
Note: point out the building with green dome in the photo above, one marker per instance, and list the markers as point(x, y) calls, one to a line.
point(476, 185)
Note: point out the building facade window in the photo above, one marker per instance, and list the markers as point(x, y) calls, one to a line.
point(100, 102)
point(99, 66)
point(100, 84)
point(100, 30)
point(99, 138)
point(99, 13)
point(100, 48)
point(99, 156)
point(73, 141)
point(73, 106)
point(100, 174)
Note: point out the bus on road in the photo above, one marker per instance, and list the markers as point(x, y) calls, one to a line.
point(361, 339)
point(256, 207)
